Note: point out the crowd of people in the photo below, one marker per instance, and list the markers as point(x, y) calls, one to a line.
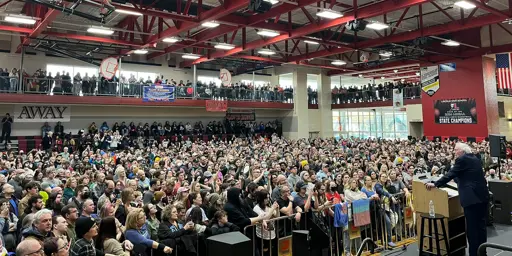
point(374, 92)
point(114, 199)
point(84, 84)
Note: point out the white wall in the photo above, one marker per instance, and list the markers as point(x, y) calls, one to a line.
point(31, 63)
point(83, 116)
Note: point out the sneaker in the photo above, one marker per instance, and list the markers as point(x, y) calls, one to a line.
point(391, 244)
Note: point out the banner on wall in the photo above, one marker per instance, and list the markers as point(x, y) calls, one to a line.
point(41, 113)
point(216, 105)
point(398, 98)
point(430, 79)
point(158, 93)
point(241, 116)
point(455, 111)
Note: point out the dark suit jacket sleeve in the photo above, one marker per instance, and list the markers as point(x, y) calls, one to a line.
point(453, 173)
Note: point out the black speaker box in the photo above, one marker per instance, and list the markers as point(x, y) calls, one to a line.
point(300, 243)
point(502, 204)
point(229, 244)
point(498, 146)
point(259, 6)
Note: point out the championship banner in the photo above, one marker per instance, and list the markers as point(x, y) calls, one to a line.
point(216, 105)
point(158, 93)
point(241, 116)
point(455, 111)
point(398, 98)
point(41, 113)
point(430, 79)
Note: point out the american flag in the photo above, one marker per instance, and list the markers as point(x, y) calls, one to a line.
point(503, 73)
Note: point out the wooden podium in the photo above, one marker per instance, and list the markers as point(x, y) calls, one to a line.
point(448, 206)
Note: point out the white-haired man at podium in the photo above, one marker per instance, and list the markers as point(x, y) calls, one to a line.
point(468, 173)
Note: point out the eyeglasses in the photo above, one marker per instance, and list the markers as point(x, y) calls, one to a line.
point(39, 252)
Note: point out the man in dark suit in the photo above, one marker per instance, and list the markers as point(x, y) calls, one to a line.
point(467, 172)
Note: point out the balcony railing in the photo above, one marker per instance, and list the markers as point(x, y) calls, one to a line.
point(384, 94)
point(51, 86)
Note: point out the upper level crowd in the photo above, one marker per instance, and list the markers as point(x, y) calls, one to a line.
point(105, 199)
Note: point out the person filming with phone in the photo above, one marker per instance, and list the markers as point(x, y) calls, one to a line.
point(467, 172)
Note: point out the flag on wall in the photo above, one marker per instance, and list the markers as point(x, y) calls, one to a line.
point(503, 75)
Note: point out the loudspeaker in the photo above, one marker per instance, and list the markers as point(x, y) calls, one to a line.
point(502, 205)
point(498, 146)
point(356, 25)
point(300, 243)
point(229, 244)
point(259, 6)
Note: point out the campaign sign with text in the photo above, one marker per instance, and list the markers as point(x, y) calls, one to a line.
point(455, 111)
point(158, 93)
point(430, 79)
point(41, 113)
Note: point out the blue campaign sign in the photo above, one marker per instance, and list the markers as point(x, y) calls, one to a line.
point(447, 67)
point(158, 93)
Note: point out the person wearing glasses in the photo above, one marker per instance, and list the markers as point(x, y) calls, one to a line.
point(30, 247)
point(54, 246)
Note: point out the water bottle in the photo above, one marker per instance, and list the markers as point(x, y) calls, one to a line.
point(431, 211)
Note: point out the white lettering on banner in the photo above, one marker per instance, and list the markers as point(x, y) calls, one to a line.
point(41, 113)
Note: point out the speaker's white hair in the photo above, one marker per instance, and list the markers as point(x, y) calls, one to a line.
point(464, 147)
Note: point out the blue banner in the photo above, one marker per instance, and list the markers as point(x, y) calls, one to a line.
point(447, 67)
point(158, 93)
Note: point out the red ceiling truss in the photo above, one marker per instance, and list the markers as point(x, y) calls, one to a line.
point(155, 25)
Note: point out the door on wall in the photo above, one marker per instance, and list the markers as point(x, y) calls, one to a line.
point(416, 129)
point(314, 135)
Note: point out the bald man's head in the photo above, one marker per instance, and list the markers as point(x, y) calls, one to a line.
point(281, 179)
point(28, 247)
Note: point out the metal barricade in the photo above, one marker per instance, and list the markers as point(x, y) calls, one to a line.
point(281, 232)
point(9, 84)
point(483, 248)
point(375, 94)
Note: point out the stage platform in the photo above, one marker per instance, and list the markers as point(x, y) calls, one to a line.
point(498, 234)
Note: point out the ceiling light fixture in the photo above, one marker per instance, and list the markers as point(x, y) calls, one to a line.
point(128, 12)
point(225, 46)
point(329, 14)
point(382, 77)
point(338, 63)
point(377, 26)
point(268, 33)
point(171, 40)
point(311, 42)
point(190, 56)
point(386, 54)
point(140, 51)
point(100, 31)
point(450, 43)
point(465, 4)
point(210, 24)
point(266, 52)
point(360, 75)
point(396, 71)
point(20, 19)
point(417, 73)
point(272, 1)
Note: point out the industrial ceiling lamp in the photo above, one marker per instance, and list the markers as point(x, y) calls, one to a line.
point(465, 4)
point(377, 26)
point(140, 51)
point(210, 24)
point(20, 19)
point(171, 40)
point(451, 43)
point(100, 31)
point(266, 52)
point(190, 56)
point(329, 14)
point(222, 46)
point(268, 33)
point(338, 63)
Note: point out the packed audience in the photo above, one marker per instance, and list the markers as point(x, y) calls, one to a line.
point(98, 197)
point(374, 92)
point(63, 83)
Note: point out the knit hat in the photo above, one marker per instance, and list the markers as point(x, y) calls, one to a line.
point(213, 198)
point(158, 196)
point(83, 225)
